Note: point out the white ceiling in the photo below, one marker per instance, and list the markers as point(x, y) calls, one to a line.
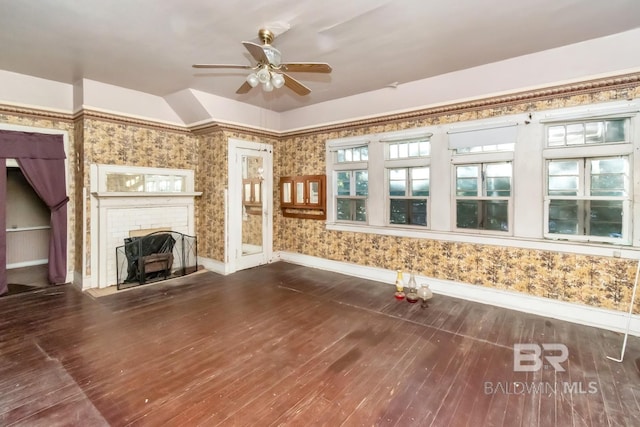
point(150, 45)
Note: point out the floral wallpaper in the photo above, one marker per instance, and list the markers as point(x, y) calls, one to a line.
point(106, 142)
point(113, 143)
point(211, 179)
point(597, 281)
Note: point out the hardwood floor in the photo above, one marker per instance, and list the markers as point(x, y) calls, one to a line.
point(27, 279)
point(289, 345)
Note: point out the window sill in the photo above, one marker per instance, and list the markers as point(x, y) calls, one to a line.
point(595, 249)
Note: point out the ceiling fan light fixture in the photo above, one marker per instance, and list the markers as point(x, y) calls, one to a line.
point(277, 80)
point(272, 54)
point(268, 70)
point(264, 75)
point(252, 79)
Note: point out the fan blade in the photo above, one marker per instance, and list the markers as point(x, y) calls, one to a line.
point(295, 85)
point(308, 67)
point(257, 52)
point(244, 67)
point(246, 87)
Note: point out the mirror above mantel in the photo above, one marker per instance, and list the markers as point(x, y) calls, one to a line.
point(126, 198)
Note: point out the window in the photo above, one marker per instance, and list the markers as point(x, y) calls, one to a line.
point(408, 195)
point(588, 197)
point(407, 175)
point(483, 158)
point(350, 182)
point(379, 181)
point(588, 132)
point(588, 184)
point(409, 149)
point(483, 194)
point(565, 175)
point(486, 148)
point(352, 188)
point(353, 154)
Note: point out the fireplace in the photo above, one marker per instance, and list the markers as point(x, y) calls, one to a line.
point(139, 199)
point(159, 255)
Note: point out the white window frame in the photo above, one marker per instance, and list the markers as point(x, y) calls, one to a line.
point(584, 175)
point(586, 152)
point(407, 163)
point(526, 211)
point(482, 160)
point(377, 200)
point(409, 185)
point(494, 133)
point(352, 193)
point(333, 166)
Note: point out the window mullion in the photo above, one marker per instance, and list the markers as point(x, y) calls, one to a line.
point(586, 177)
point(585, 184)
point(352, 193)
point(352, 183)
point(354, 208)
point(586, 224)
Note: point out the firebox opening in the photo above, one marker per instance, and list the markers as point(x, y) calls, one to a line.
point(158, 255)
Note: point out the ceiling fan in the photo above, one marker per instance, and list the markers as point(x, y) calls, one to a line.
point(269, 71)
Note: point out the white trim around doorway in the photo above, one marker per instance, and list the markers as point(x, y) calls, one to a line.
point(234, 201)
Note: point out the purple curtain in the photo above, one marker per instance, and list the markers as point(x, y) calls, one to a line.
point(3, 228)
point(41, 158)
point(30, 145)
point(46, 176)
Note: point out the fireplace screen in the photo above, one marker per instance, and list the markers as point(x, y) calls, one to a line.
point(156, 256)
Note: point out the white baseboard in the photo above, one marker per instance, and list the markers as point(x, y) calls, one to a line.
point(27, 263)
point(82, 282)
point(213, 265)
point(562, 310)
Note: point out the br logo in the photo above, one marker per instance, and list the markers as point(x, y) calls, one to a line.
point(529, 357)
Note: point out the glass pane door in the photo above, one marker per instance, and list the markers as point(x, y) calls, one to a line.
point(252, 209)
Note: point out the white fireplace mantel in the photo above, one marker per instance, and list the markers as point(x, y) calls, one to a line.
point(108, 195)
point(114, 214)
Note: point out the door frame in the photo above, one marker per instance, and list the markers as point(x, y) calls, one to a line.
point(75, 273)
point(233, 251)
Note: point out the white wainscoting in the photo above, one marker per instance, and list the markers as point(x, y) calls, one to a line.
point(27, 246)
point(576, 313)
